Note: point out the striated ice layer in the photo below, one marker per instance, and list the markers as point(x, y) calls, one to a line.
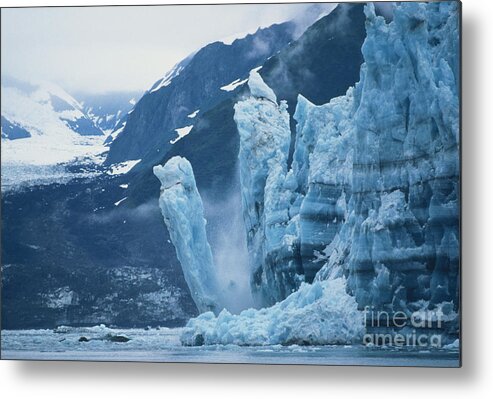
point(318, 314)
point(291, 215)
point(372, 193)
point(183, 214)
point(403, 224)
point(323, 165)
point(265, 137)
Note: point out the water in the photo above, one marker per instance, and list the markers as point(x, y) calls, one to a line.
point(163, 345)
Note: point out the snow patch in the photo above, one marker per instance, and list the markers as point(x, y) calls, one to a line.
point(193, 114)
point(120, 201)
point(167, 79)
point(234, 84)
point(122, 167)
point(182, 132)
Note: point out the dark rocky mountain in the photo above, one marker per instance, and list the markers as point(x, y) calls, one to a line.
point(108, 110)
point(320, 69)
point(194, 84)
point(321, 64)
point(12, 131)
point(70, 256)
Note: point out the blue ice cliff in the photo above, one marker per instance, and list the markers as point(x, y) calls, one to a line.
point(183, 214)
point(366, 214)
point(264, 147)
point(374, 177)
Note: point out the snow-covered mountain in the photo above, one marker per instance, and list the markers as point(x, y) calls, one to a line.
point(194, 84)
point(43, 125)
point(108, 110)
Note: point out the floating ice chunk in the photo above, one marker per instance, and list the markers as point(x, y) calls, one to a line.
point(183, 212)
point(454, 345)
point(321, 313)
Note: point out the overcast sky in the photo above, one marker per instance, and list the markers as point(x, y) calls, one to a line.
point(101, 49)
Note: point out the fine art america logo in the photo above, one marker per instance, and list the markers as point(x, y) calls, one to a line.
point(417, 329)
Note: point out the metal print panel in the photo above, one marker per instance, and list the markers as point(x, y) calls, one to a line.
point(287, 193)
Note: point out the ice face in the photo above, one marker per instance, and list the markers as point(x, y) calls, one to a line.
point(368, 213)
point(183, 214)
point(323, 167)
point(267, 192)
point(404, 210)
point(290, 215)
point(317, 314)
point(372, 193)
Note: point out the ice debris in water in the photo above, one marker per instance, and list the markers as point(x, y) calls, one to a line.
point(317, 314)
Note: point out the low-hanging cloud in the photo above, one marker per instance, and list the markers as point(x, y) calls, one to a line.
point(103, 49)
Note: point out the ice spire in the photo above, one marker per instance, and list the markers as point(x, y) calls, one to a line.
point(183, 212)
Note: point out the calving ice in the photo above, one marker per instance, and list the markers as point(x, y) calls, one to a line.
point(291, 196)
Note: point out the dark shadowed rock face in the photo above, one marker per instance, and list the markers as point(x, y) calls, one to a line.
point(213, 144)
point(193, 84)
point(323, 62)
point(12, 131)
point(71, 257)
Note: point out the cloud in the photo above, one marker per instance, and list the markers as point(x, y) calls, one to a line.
point(144, 212)
point(102, 49)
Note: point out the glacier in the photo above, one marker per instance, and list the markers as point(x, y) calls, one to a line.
point(372, 191)
point(263, 154)
point(366, 213)
point(183, 213)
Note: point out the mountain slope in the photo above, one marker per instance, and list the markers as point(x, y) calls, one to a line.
point(108, 110)
point(193, 85)
point(323, 62)
point(46, 118)
point(213, 143)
